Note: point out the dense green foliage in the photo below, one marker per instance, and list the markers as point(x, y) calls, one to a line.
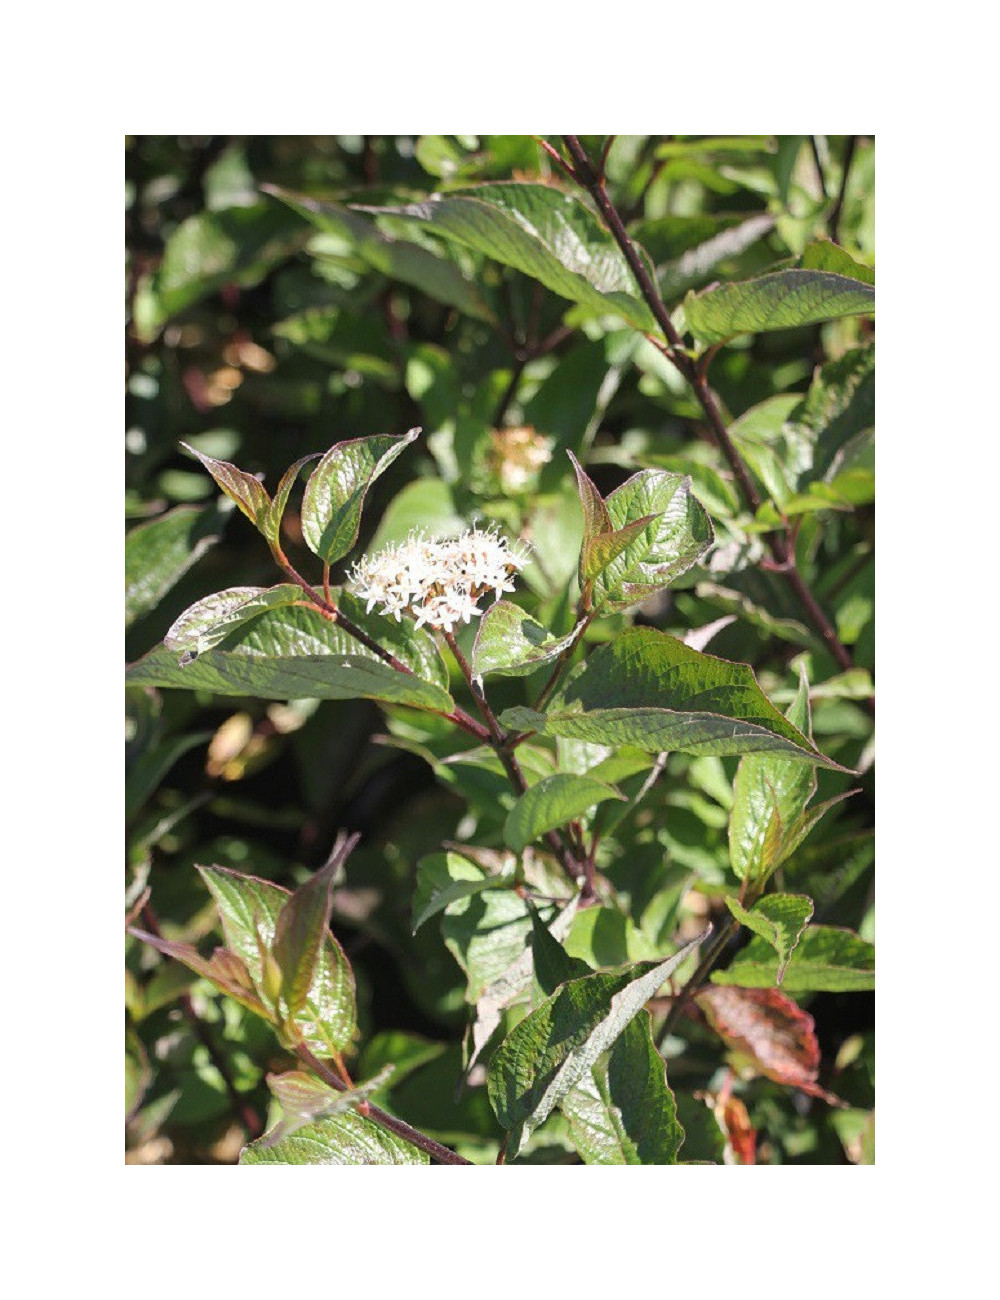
point(572, 859)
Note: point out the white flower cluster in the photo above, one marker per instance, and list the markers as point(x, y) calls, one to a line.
point(439, 582)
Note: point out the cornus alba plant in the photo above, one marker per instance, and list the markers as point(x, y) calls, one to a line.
point(586, 1049)
point(626, 915)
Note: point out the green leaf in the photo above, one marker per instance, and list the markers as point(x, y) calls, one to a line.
point(510, 643)
point(815, 452)
point(443, 878)
point(778, 918)
point(824, 255)
point(296, 653)
point(649, 690)
point(304, 1099)
point(302, 926)
point(335, 493)
point(546, 234)
point(678, 535)
point(622, 1112)
point(346, 1139)
point(249, 909)
point(211, 250)
point(209, 621)
point(553, 1048)
point(605, 548)
point(486, 934)
point(399, 259)
point(551, 803)
point(837, 414)
point(606, 936)
point(769, 789)
point(270, 524)
point(248, 492)
point(778, 300)
point(552, 963)
point(159, 553)
point(226, 970)
point(513, 982)
point(827, 960)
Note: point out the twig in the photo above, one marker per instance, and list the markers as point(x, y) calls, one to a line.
point(778, 542)
point(563, 660)
point(499, 742)
point(818, 163)
point(711, 955)
point(833, 221)
point(333, 612)
point(443, 1155)
point(247, 1115)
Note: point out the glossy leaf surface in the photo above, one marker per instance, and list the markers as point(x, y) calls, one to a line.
point(551, 803)
point(296, 653)
point(778, 918)
point(780, 300)
point(249, 909)
point(336, 490)
point(550, 1051)
point(159, 553)
point(546, 234)
point(510, 643)
point(649, 690)
point(827, 960)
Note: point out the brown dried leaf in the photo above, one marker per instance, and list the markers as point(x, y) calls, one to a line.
point(768, 1032)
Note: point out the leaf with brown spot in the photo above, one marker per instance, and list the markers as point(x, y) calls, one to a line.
point(733, 1118)
point(768, 1032)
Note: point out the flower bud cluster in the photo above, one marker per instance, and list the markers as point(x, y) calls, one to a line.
point(439, 582)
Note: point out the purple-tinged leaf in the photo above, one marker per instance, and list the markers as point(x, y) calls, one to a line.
point(224, 969)
point(768, 1033)
point(241, 487)
point(249, 909)
point(302, 926)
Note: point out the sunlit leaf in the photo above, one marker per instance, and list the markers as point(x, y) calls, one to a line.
point(244, 489)
point(209, 621)
point(159, 553)
point(778, 918)
point(827, 960)
point(779, 300)
point(551, 1050)
point(336, 490)
point(649, 690)
point(679, 534)
point(345, 1139)
point(537, 229)
point(296, 653)
point(551, 803)
point(249, 909)
point(443, 878)
point(511, 643)
point(768, 1033)
point(302, 926)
